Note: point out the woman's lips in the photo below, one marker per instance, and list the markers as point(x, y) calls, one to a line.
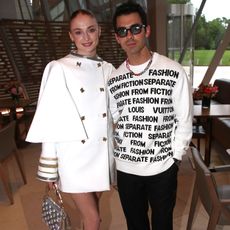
point(88, 44)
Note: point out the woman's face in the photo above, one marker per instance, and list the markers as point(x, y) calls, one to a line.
point(85, 33)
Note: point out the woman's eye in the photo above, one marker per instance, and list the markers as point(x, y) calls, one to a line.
point(78, 33)
point(92, 30)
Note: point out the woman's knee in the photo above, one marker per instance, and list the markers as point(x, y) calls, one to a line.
point(87, 204)
point(91, 221)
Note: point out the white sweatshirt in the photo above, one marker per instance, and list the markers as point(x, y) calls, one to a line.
point(153, 116)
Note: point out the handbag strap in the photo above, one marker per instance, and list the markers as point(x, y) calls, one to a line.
point(56, 191)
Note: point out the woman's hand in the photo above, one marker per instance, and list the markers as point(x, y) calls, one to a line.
point(51, 185)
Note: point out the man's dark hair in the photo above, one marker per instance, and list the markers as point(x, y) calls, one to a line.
point(128, 8)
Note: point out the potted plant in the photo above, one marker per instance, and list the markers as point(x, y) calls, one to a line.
point(205, 92)
point(16, 92)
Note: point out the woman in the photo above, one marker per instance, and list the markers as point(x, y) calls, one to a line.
point(72, 121)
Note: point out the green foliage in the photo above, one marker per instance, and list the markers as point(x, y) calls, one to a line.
point(201, 40)
point(178, 1)
point(209, 34)
point(204, 57)
point(201, 57)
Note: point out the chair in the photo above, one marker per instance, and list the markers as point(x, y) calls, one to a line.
point(198, 133)
point(8, 149)
point(214, 198)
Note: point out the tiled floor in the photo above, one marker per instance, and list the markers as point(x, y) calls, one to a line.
point(25, 213)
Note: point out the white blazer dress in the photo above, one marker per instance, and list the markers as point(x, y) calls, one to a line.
point(73, 123)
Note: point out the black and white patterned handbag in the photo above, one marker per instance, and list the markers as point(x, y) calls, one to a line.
point(53, 213)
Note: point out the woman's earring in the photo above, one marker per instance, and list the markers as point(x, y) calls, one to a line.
point(72, 46)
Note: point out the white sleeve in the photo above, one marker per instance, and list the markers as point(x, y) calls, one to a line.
point(183, 106)
point(48, 163)
point(56, 118)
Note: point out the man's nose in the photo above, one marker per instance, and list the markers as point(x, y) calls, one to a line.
point(129, 34)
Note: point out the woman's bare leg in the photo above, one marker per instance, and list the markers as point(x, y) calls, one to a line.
point(88, 206)
point(98, 195)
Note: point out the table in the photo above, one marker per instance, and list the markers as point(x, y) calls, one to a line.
point(9, 103)
point(216, 110)
point(21, 125)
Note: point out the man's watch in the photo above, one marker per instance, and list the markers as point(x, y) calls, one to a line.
point(177, 162)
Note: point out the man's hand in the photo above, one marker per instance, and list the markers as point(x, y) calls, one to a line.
point(177, 162)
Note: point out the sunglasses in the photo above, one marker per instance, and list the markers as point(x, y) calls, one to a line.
point(134, 29)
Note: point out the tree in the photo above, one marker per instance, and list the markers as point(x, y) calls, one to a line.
point(201, 38)
point(178, 1)
point(225, 22)
point(215, 32)
point(209, 34)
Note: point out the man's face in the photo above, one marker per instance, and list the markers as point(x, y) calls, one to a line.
point(132, 43)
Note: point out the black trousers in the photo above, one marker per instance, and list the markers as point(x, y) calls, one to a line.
point(138, 192)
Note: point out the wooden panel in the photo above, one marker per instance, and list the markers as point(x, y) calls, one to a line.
point(108, 48)
point(27, 46)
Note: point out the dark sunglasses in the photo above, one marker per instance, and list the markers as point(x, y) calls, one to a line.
point(134, 29)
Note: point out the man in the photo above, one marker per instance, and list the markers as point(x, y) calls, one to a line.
point(151, 103)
